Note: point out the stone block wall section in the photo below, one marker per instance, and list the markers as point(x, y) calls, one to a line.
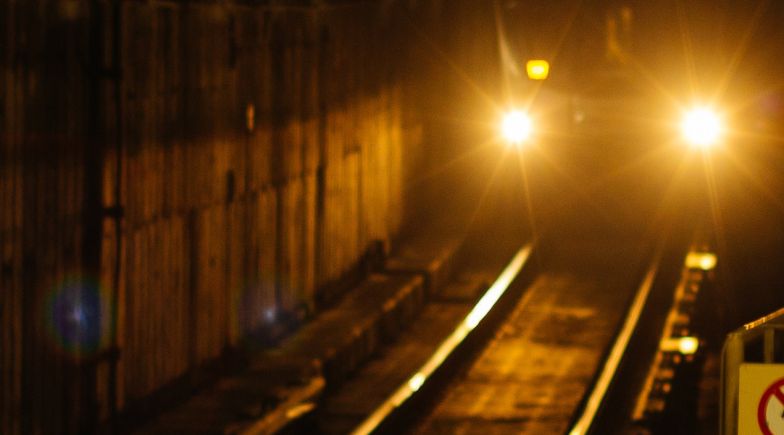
point(177, 178)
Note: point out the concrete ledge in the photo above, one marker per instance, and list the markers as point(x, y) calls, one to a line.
point(434, 259)
point(284, 382)
point(466, 287)
point(343, 337)
point(240, 405)
point(373, 383)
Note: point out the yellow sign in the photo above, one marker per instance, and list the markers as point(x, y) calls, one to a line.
point(761, 399)
point(537, 69)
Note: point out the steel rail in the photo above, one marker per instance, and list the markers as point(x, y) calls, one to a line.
point(588, 414)
point(445, 349)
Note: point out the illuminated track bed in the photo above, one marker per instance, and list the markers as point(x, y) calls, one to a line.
point(528, 366)
point(534, 374)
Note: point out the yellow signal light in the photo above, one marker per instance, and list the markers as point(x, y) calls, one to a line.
point(537, 69)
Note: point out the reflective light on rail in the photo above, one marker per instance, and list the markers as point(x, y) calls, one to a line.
point(417, 381)
point(299, 410)
point(516, 127)
point(701, 260)
point(491, 296)
point(701, 127)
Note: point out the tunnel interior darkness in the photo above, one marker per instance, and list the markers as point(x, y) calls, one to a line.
point(182, 183)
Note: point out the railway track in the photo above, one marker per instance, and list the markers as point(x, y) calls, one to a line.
point(542, 364)
point(540, 352)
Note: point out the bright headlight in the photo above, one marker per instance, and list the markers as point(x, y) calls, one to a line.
point(516, 127)
point(702, 127)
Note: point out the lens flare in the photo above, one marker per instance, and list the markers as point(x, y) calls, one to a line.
point(702, 127)
point(516, 127)
point(257, 316)
point(77, 314)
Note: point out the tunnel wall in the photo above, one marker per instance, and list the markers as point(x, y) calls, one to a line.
point(248, 220)
point(168, 198)
point(183, 182)
point(43, 113)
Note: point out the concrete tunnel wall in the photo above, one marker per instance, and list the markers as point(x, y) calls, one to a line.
point(177, 177)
